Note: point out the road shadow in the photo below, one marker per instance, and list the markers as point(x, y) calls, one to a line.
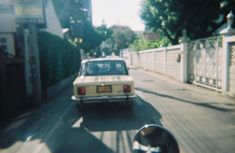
point(198, 103)
point(77, 140)
point(105, 128)
point(115, 117)
point(33, 123)
point(15, 130)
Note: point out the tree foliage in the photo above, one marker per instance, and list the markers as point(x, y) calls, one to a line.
point(68, 10)
point(58, 59)
point(65, 9)
point(142, 43)
point(104, 31)
point(91, 38)
point(121, 37)
point(198, 17)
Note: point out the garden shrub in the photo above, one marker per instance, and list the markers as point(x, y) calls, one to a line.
point(58, 58)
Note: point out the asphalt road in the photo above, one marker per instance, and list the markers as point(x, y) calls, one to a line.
point(202, 121)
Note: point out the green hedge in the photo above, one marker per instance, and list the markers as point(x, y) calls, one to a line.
point(58, 59)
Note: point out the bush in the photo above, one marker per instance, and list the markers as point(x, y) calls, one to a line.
point(58, 59)
point(141, 44)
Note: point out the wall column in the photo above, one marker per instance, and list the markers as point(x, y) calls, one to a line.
point(184, 62)
point(228, 37)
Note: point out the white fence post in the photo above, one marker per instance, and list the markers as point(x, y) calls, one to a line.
point(165, 60)
point(154, 61)
point(184, 62)
point(227, 39)
point(138, 59)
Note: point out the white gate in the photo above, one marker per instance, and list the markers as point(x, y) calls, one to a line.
point(205, 62)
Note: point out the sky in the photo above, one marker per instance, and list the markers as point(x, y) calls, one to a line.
point(118, 12)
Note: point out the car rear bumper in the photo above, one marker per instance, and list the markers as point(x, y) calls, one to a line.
point(104, 99)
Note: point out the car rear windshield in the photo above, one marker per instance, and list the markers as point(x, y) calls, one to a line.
point(109, 67)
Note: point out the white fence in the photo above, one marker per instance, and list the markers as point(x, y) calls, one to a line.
point(162, 60)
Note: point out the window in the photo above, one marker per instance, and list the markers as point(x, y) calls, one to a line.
point(3, 40)
point(3, 44)
point(114, 67)
point(3, 47)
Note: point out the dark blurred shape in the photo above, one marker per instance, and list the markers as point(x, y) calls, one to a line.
point(155, 139)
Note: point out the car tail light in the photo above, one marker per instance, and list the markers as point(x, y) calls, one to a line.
point(81, 90)
point(126, 88)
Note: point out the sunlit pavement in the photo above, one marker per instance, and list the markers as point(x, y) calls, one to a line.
point(202, 121)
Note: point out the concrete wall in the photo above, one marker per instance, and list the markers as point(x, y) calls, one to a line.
point(172, 65)
point(161, 60)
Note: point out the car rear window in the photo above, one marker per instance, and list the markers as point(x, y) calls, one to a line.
point(109, 67)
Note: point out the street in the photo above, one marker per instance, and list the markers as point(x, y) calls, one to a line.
point(202, 121)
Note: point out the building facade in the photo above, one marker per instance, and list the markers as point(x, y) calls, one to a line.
point(87, 8)
point(7, 29)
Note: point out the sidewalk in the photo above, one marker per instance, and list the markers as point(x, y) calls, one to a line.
point(196, 89)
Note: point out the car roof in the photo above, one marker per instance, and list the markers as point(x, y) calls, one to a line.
point(103, 59)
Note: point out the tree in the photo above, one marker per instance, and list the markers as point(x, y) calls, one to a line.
point(107, 46)
point(122, 37)
point(104, 31)
point(198, 17)
point(144, 42)
point(91, 38)
point(72, 10)
point(119, 37)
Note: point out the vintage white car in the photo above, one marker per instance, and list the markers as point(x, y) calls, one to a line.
point(103, 80)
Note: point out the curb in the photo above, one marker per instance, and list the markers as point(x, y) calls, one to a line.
point(57, 88)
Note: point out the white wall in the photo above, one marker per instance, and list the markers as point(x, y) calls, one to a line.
point(161, 60)
point(7, 23)
point(172, 65)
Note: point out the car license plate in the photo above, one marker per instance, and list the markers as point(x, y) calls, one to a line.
point(104, 88)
